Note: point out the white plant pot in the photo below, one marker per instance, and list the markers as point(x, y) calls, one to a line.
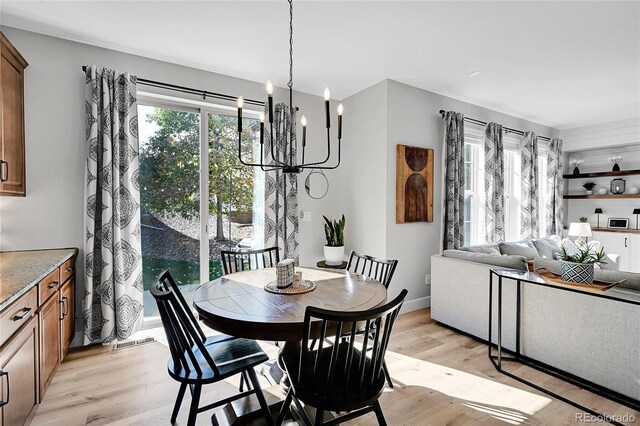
point(333, 255)
point(577, 272)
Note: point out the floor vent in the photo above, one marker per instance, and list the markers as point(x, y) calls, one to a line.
point(133, 343)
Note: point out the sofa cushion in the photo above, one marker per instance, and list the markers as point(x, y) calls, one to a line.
point(513, 262)
point(519, 248)
point(484, 248)
point(632, 278)
point(547, 247)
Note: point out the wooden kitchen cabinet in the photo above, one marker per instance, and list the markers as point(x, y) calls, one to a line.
point(12, 154)
point(49, 341)
point(67, 324)
point(19, 360)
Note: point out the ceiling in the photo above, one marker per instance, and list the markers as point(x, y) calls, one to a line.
point(563, 64)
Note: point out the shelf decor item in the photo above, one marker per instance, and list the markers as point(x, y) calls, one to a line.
point(579, 267)
point(636, 212)
point(334, 233)
point(617, 186)
point(602, 191)
point(576, 164)
point(284, 273)
point(616, 163)
point(598, 212)
point(589, 187)
point(583, 219)
point(633, 190)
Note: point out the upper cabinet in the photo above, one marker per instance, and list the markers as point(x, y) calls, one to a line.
point(12, 154)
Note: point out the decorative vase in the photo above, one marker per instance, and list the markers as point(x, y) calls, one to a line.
point(616, 168)
point(602, 191)
point(589, 192)
point(333, 255)
point(581, 273)
point(576, 171)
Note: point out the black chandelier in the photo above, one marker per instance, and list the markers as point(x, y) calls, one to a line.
point(290, 166)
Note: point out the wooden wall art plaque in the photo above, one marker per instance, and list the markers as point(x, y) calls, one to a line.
point(414, 184)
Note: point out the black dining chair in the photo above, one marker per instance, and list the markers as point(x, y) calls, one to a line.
point(246, 260)
point(197, 360)
point(346, 375)
point(379, 269)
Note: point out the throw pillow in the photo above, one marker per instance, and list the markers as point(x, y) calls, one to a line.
point(519, 248)
point(569, 246)
point(546, 247)
point(485, 249)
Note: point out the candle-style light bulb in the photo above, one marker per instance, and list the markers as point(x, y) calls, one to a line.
point(327, 94)
point(240, 105)
point(303, 121)
point(262, 117)
point(240, 102)
point(340, 110)
point(269, 88)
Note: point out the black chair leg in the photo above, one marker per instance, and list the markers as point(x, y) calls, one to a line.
point(284, 408)
point(176, 407)
point(378, 410)
point(258, 390)
point(195, 401)
point(386, 374)
point(241, 387)
point(319, 417)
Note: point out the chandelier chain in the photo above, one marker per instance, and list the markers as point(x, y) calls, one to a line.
point(290, 84)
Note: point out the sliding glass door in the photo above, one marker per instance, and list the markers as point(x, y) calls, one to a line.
point(186, 152)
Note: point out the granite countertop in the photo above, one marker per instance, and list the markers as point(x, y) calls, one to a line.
point(21, 270)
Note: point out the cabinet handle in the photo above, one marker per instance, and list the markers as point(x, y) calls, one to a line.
point(53, 284)
point(6, 401)
point(25, 312)
point(65, 304)
point(625, 241)
point(69, 270)
point(61, 317)
point(4, 173)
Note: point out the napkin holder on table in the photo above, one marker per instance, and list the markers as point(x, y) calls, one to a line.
point(284, 271)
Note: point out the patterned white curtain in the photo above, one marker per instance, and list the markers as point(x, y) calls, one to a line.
point(112, 306)
point(494, 183)
point(280, 189)
point(453, 181)
point(554, 187)
point(530, 195)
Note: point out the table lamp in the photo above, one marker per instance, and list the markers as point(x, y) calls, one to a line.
point(636, 212)
point(598, 212)
point(580, 229)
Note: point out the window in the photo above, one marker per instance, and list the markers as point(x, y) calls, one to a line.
point(187, 151)
point(474, 196)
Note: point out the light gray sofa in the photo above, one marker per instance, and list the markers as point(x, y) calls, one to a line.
point(593, 338)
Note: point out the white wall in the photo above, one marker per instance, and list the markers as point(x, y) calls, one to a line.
point(603, 135)
point(363, 177)
point(412, 118)
point(51, 215)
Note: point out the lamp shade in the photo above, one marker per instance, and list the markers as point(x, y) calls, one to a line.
point(598, 211)
point(579, 229)
point(636, 211)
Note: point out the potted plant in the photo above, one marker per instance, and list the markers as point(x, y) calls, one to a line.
point(334, 249)
point(589, 187)
point(579, 267)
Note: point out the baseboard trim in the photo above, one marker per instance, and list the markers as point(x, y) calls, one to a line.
point(415, 304)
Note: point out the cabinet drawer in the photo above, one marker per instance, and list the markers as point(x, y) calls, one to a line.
point(66, 270)
point(49, 286)
point(18, 314)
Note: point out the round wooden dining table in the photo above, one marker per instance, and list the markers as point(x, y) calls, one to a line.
point(238, 305)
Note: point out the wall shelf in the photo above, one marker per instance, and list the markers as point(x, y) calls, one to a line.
point(599, 196)
point(626, 230)
point(602, 174)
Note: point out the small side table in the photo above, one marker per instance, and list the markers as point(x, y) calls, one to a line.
point(322, 264)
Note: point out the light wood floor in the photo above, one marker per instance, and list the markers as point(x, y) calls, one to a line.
point(441, 378)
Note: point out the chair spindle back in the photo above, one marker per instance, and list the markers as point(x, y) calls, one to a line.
point(245, 260)
point(379, 269)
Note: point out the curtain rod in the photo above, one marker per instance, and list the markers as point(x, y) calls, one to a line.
point(204, 93)
point(507, 129)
